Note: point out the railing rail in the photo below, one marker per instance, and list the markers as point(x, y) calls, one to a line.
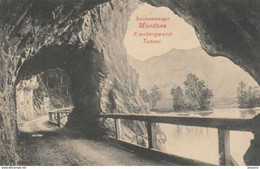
point(56, 115)
point(223, 125)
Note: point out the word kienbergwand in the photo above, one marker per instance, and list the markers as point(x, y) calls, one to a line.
point(152, 34)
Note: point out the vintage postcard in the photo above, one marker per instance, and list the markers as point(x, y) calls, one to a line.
point(129, 83)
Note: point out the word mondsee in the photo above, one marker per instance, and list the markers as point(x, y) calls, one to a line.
point(144, 25)
point(155, 25)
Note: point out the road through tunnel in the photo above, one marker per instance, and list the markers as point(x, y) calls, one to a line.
point(79, 67)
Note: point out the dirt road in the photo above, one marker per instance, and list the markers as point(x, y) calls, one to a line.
point(41, 143)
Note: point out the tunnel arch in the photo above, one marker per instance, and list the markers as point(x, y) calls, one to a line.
point(224, 28)
point(94, 62)
point(89, 45)
point(84, 80)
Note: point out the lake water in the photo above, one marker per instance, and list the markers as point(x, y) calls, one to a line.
point(201, 143)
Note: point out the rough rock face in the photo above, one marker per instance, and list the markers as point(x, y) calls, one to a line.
point(42, 93)
point(86, 39)
point(31, 99)
point(57, 84)
point(82, 37)
point(225, 28)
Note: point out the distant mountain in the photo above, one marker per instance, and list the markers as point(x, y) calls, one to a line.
point(171, 68)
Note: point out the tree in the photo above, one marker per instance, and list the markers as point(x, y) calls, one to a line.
point(251, 102)
point(196, 89)
point(145, 96)
point(242, 94)
point(256, 92)
point(178, 98)
point(155, 96)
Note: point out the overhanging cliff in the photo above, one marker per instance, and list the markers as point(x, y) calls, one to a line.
point(82, 37)
point(225, 28)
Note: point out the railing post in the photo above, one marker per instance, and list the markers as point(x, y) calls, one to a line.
point(55, 116)
point(224, 147)
point(151, 131)
point(252, 155)
point(118, 128)
point(50, 116)
point(58, 119)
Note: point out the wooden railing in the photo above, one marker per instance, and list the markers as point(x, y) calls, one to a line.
point(223, 125)
point(55, 116)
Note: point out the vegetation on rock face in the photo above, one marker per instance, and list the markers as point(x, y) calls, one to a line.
point(58, 85)
point(196, 93)
point(247, 97)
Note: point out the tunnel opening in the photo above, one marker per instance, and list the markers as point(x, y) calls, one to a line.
point(165, 62)
point(181, 53)
point(43, 93)
point(55, 65)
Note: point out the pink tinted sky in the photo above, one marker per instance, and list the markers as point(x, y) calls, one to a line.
point(184, 36)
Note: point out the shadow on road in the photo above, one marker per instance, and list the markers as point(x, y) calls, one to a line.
point(43, 144)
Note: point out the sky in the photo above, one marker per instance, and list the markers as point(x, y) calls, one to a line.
point(183, 35)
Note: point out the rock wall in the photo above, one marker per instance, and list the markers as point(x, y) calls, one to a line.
point(57, 84)
point(32, 99)
point(41, 99)
point(8, 128)
point(24, 98)
point(42, 93)
point(85, 38)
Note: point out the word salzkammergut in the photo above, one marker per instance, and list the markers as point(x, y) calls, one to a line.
point(152, 18)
